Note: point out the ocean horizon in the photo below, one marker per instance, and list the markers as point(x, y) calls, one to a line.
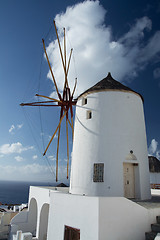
point(17, 192)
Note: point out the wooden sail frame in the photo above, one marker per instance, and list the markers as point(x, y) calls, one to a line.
point(64, 101)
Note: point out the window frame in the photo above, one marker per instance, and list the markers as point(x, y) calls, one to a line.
point(89, 114)
point(84, 101)
point(98, 172)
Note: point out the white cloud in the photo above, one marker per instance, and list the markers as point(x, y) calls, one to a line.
point(11, 129)
point(32, 172)
point(156, 73)
point(95, 51)
point(136, 32)
point(151, 50)
point(49, 137)
point(19, 126)
point(35, 157)
point(52, 158)
point(54, 95)
point(56, 136)
point(13, 148)
point(153, 147)
point(19, 158)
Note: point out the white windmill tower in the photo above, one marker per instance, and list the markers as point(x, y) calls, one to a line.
point(110, 150)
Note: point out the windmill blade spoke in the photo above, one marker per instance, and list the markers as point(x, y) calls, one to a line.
point(42, 102)
point(59, 44)
point(75, 85)
point(38, 105)
point(71, 125)
point(65, 63)
point(56, 100)
point(69, 122)
point(35, 104)
point(60, 49)
point(67, 148)
point(51, 70)
point(57, 153)
point(69, 60)
point(64, 47)
point(71, 109)
point(72, 128)
point(54, 132)
point(66, 81)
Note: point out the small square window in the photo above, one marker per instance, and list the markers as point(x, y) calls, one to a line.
point(84, 101)
point(89, 114)
point(98, 172)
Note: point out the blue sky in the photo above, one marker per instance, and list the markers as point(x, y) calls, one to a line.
point(106, 36)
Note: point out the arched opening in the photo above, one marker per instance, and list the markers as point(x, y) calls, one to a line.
point(43, 226)
point(32, 216)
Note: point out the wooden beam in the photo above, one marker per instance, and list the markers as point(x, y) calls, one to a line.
point(54, 133)
point(51, 69)
point(56, 100)
point(57, 153)
point(67, 148)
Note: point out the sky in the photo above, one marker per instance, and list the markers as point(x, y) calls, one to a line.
point(106, 36)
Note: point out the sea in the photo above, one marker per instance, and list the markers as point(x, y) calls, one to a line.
point(12, 192)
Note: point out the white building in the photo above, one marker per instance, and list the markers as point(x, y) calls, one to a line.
point(154, 167)
point(110, 149)
point(109, 165)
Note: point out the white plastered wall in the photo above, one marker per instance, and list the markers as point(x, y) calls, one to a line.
point(99, 218)
point(42, 196)
point(25, 221)
point(75, 211)
point(155, 178)
point(117, 127)
point(120, 218)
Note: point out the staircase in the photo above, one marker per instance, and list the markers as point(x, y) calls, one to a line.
point(155, 229)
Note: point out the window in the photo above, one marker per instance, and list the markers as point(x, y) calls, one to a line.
point(98, 172)
point(89, 114)
point(84, 101)
point(71, 233)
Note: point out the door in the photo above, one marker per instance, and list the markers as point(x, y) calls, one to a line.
point(129, 180)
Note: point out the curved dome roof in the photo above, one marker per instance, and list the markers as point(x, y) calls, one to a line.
point(108, 83)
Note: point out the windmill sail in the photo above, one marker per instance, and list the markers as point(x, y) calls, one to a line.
point(64, 101)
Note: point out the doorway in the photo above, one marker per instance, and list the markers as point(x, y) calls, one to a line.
point(129, 180)
point(43, 226)
point(71, 233)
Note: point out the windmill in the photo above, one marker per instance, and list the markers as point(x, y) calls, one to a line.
point(65, 100)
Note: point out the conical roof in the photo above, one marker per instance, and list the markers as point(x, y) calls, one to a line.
point(108, 83)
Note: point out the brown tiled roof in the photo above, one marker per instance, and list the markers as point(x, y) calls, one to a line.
point(108, 83)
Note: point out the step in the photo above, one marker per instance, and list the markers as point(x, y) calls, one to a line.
point(150, 235)
point(155, 227)
point(158, 219)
